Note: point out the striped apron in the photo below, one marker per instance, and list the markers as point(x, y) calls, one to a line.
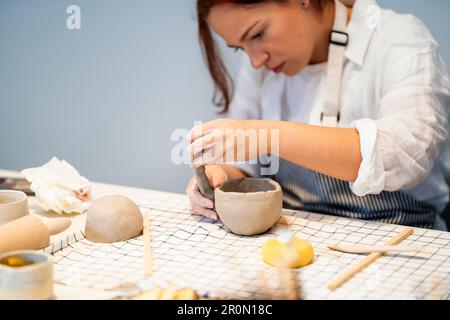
point(304, 189)
point(307, 190)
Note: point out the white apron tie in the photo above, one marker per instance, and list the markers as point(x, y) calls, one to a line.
point(336, 56)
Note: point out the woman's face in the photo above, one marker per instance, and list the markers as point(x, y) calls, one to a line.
point(281, 37)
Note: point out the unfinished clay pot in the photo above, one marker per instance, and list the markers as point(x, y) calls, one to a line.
point(249, 206)
point(113, 218)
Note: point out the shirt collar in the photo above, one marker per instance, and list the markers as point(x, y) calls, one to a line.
point(365, 17)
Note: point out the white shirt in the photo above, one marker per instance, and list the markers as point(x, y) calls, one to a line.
point(395, 92)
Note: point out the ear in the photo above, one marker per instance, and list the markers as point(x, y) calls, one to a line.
point(305, 3)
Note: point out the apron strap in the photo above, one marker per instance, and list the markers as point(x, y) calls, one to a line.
point(336, 56)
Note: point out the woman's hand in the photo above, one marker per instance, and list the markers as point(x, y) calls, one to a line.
point(334, 152)
point(227, 141)
point(200, 204)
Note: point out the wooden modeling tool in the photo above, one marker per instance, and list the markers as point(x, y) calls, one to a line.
point(148, 269)
point(370, 249)
point(347, 275)
point(29, 233)
point(203, 183)
point(284, 282)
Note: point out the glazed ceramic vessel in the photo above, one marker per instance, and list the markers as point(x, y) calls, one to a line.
point(249, 206)
point(13, 205)
point(31, 282)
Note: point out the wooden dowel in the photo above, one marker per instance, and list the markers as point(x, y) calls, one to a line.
point(370, 249)
point(148, 270)
point(333, 285)
point(290, 278)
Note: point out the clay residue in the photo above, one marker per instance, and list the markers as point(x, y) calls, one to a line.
point(248, 186)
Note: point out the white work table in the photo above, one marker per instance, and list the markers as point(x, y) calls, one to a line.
point(198, 253)
point(78, 220)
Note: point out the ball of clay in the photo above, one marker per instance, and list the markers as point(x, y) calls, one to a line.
point(249, 206)
point(113, 218)
point(295, 253)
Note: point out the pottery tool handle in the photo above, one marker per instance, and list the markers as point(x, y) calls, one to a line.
point(26, 233)
point(29, 233)
point(203, 183)
point(368, 260)
point(370, 249)
point(148, 268)
point(58, 225)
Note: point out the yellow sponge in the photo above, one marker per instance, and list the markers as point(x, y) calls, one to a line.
point(295, 253)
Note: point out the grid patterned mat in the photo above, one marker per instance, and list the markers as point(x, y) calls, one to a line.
point(191, 251)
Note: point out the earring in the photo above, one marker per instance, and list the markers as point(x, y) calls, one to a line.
point(304, 5)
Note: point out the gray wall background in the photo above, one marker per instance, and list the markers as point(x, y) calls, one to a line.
point(106, 98)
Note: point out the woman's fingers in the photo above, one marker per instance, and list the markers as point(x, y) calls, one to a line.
point(199, 204)
point(209, 157)
point(211, 214)
point(198, 132)
point(217, 147)
point(191, 185)
point(201, 200)
point(200, 145)
point(218, 180)
point(207, 150)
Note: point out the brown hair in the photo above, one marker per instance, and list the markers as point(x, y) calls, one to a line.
point(223, 84)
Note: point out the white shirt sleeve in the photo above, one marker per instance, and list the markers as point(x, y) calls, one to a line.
point(400, 148)
point(246, 104)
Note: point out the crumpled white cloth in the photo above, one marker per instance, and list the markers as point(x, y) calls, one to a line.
point(59, 187)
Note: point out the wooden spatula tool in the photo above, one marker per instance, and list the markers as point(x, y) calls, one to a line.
point(203, 183)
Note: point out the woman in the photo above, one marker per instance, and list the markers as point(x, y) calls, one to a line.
point(358, 97)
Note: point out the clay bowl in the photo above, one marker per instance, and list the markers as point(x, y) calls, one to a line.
point(249, 206)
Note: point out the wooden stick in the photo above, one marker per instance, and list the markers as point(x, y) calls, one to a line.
point(347, 275)
point(148, 270)
point(290, 278)
point(370, 249)
point(267, 293)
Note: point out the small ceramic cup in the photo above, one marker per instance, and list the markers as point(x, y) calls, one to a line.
point(29, 282)
point(13, 205)
point(249, 206)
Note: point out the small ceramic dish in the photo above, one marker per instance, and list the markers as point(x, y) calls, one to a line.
point(26, 275)
point(13, 205)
